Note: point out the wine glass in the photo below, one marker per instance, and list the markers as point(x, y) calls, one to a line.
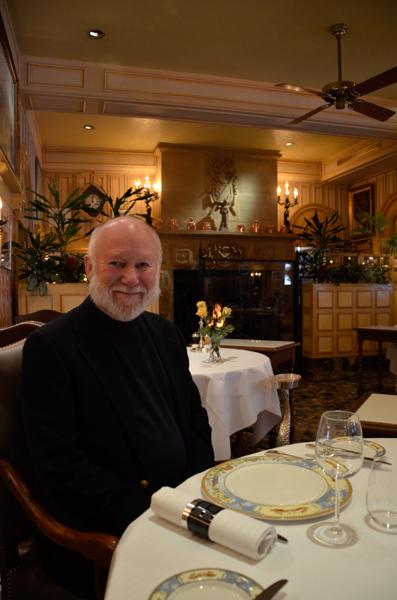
point(340, 454)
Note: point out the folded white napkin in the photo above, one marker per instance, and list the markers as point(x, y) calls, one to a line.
point(228, 528)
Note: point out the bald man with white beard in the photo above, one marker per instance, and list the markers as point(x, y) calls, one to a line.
point(116, 415)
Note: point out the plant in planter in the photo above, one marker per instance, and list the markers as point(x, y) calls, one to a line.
point(387, 246)
point(323, 237)
point(47, 259)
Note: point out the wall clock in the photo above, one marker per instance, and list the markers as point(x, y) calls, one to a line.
point(94, 202)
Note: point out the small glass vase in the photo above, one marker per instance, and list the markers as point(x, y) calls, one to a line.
point(215, 353)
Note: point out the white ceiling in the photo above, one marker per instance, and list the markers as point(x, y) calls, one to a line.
point(261, 41)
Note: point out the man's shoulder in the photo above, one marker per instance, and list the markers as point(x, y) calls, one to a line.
point(64, 322)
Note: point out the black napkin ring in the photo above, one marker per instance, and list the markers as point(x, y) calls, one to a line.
point(198, 515)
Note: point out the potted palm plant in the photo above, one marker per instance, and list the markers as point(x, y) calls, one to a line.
point(47, 258)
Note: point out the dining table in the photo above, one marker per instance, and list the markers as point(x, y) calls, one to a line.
point(280, 352)
point(153, 550)
point(236, 393)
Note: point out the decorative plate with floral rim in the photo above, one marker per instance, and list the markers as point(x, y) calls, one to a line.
point(207, 583)
point(274, 487)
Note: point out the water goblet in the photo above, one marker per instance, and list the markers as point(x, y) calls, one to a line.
point(382, 496)
point(340, 454)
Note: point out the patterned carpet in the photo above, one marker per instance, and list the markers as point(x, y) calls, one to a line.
point(318, 394)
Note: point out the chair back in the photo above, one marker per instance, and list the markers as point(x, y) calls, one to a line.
point(16, 333)
point(43, 316)
point(15, 526)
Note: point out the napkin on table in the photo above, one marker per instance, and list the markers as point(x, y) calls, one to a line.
point(228, 528)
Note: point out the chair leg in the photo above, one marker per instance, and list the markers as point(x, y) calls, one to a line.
point(101, 577)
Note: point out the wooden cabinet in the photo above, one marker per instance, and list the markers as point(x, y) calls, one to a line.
point(330, 313)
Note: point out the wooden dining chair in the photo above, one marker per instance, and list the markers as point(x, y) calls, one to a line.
point(20, 512)
point(16, 333)
point(44, 316)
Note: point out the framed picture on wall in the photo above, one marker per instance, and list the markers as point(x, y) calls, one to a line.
point(8, 100)
point(5, 237)
point(360, 202)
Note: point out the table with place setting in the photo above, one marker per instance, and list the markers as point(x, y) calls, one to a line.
point(278, 492)
point(236, 393)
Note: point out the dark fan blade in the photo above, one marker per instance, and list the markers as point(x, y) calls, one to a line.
point(376, 83)
point(296, 88)
point(372, 110)
point(310, 114)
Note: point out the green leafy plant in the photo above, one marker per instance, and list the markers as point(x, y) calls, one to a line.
point(323, 237)
point(46, 258)
point(38, 264)
point(131, 196)
point(387, 246)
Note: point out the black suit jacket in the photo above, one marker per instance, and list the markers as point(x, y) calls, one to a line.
point(88, 465)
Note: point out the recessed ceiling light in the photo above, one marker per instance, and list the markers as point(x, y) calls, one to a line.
point(96, 33)
point(289, 143)
point(89, 127)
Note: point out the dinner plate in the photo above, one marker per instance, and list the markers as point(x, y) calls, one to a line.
point(274, 487)
point(202, 584)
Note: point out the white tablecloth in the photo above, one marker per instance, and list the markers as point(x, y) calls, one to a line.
point(236, 393)
point(152, 550)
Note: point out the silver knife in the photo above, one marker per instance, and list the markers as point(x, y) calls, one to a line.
point(346, 451)
point(271, 590)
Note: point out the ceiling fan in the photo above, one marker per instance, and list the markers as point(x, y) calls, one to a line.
point(343, 93)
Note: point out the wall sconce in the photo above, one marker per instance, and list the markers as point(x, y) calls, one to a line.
point(145, 190)
point(287, 204)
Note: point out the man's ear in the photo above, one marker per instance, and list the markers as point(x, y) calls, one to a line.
point(88, 266)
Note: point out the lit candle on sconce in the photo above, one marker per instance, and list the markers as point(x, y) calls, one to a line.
point(137, 184)
point(147, 184)
point(287, 205)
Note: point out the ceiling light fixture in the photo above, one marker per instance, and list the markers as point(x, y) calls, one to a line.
point(89, 127)
point(289, 143)
point(96, 33)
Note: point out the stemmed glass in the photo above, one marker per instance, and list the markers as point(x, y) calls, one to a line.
point(340, 454)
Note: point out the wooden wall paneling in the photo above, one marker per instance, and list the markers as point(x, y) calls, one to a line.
point(391, 185)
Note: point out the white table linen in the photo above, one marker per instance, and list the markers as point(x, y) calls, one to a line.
point(236, 393)
point(152, 550)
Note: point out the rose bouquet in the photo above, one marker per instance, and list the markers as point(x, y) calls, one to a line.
point(214, 325)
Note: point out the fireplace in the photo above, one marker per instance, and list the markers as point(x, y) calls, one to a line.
point(251, 273)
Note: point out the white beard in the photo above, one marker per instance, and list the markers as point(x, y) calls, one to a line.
point(127, 310)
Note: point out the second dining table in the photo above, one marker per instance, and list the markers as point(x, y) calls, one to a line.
point(236, 393)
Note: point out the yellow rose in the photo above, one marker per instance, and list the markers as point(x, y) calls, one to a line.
point(202, 312)
point(226, 312)
point(201, 304)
